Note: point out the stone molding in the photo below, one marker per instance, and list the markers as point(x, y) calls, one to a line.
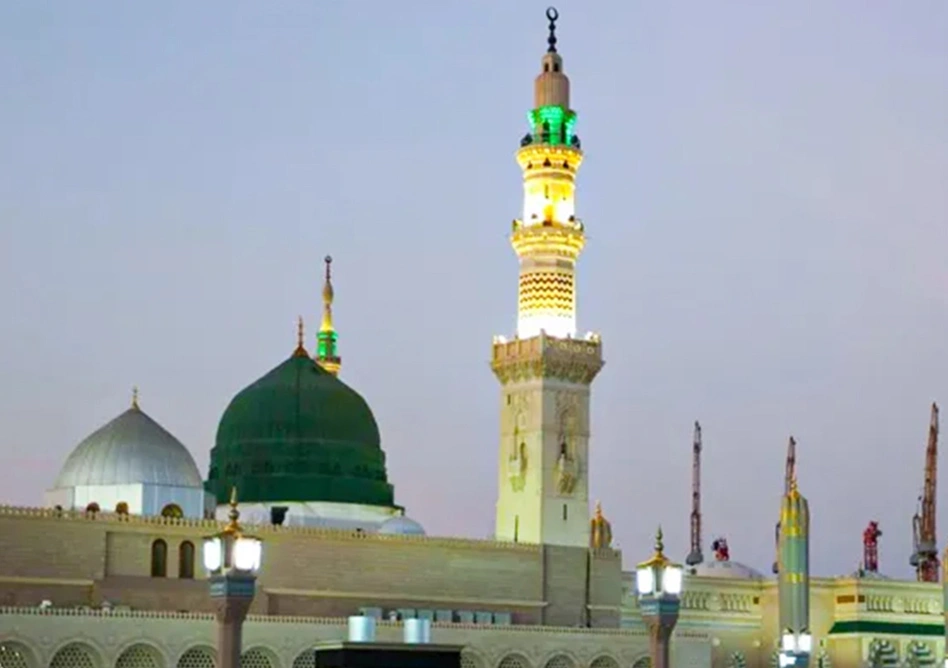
point(149, 523)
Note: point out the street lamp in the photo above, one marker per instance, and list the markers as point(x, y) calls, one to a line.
point(232, 559)
point(658, 582)
point(795, 648)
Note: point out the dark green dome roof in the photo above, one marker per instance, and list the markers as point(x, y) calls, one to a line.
point(299, 434)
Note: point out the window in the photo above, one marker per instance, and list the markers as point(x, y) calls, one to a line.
point(516, 526)
point(565, 515)
point(186, 560)
point(172, 510)
point(159, 559)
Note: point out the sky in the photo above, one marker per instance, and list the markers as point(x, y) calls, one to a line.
point(763, 191)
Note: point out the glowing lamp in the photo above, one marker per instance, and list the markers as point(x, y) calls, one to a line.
point(247, 552)
point(232, 549)
point(213, 554)
point(645, 581)
point(796, 643)
point(658, 576)
point(805, 643)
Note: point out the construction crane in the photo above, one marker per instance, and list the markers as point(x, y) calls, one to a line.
point(695, 557)
point(790, 474)
point(925, 553)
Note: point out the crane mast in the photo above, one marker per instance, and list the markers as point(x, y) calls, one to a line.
point(695, 557)
point(925, 554)
point(790, 474)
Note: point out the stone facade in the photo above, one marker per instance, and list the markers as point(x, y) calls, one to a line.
point(513, 605)
point(75, 559)
point(94, 639)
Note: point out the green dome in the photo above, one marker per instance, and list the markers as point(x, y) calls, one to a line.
point(299, 434)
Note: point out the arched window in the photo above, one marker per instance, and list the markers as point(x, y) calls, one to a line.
point(159, 559)
point(172, 510)
point(186, 560)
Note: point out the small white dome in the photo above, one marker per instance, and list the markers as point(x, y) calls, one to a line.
point(402, 526)
point(727, 569)
point(131, 449)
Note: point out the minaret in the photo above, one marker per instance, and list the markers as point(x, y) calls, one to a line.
point(546, 371)
point(793, 577)
point(327, 356)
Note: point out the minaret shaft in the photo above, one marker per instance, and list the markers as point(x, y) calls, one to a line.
point(546, 371)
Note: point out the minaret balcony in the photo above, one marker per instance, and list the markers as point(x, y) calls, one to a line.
point(565, 240)
point(535, 156)
point(544, 356)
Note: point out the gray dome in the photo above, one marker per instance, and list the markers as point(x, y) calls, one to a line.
point(131, 449)
point(402, 526)
point(726, 569)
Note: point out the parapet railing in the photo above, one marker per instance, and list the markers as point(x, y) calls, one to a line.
point(341, 622)
point(211, 526)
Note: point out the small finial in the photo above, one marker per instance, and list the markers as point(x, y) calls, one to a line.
point(659, 545)
point(598, 510)
point(135, 397)
point(300, 338)
point(552, 15)
point(234, 514)
point(327, 291)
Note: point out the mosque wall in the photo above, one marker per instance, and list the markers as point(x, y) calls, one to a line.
point(62, 638)
point(72, 558)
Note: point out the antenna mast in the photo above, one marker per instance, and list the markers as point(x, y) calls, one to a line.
point(925, 555)
point(696, 557)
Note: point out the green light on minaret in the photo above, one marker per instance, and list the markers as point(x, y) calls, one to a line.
point(552, 124)
point(326, 345)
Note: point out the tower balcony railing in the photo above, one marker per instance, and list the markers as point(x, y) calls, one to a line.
point(550, 138)
point(572, 223)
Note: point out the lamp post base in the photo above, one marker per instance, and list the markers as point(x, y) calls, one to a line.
point(232, 595)
point(660, 616)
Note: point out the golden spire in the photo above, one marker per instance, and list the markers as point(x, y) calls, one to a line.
point(300, 339)
point(327, 355)
point(659, 558)
point(598, 510)
point(326, 325)
point(233, 526)
point(135, 398)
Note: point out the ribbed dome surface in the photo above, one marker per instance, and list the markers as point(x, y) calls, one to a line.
point(402, 526)
point(131, 449)
point(299, 434)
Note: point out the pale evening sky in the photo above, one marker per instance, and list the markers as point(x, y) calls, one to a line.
point(764, 192)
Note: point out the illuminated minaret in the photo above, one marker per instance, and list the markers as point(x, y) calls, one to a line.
point(327, 356)
point(793, 577)
point(546, 371)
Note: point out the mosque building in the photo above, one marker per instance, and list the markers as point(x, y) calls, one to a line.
point(107, 573)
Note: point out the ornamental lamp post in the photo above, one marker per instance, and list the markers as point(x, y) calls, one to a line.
point(795, 648)
point(658, 582)
point(232, 559)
